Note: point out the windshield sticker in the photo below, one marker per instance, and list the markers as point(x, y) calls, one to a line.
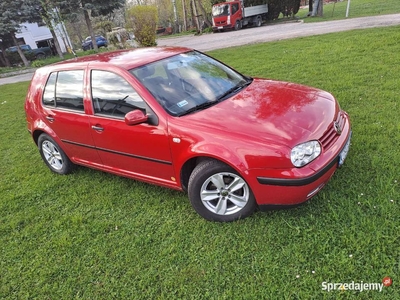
point(182, 103)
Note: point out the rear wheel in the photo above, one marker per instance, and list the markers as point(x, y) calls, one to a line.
point(53, 155)
point(219, 193)
point(258, 21)
point(40, 56)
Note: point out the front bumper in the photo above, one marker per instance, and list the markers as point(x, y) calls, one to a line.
point(297, 188)
point(224, 27)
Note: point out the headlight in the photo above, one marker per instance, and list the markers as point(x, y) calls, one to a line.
point(304, 153)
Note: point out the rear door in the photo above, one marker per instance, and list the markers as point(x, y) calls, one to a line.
point(64, 113)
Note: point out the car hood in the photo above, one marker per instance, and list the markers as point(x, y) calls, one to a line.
point(272, 111)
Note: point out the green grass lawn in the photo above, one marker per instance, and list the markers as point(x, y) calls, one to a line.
point(92, 235)
point(358, 8)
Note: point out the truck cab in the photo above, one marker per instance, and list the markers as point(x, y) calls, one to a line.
point(236, 14)
point(227, 15)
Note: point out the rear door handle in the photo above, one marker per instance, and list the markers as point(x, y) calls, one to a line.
point(97, 128)
point(50, 118)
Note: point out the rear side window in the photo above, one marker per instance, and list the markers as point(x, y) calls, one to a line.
point(64, 89)
point(49, 96)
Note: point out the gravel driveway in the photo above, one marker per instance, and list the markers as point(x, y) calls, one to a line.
point(275, 32)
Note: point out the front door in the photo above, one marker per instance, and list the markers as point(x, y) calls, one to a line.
point(141, 151)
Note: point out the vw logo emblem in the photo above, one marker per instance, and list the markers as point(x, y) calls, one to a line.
point(337, 128)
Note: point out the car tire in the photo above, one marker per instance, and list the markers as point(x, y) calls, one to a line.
point(53, 155)
point(218, 193)
point(40, 56)
point(237, 25)
point(258, 21)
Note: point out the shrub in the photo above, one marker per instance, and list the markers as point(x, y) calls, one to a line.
point(118, 37)
point(38, 63)
point(143, 20)
point(286, 7)
point(290, 7)
point(15, 59)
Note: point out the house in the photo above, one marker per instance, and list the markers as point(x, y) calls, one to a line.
point(39, 35)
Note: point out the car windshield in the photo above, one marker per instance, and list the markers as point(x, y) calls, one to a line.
point(189, 82)
point(220, 10)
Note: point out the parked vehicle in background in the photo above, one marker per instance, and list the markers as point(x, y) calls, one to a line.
point(178, 118)
point(31, 54)
point(236, 14)
point(101, 41)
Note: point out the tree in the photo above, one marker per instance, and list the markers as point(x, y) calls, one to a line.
point(196, 15)
point(143, 19)
point(15, 12)
point(3, 58)
point(103, 27)
point(204, 14)
point(318, 8)
point(290, 7)
point(165, 12)
point(89, 8)
point(50, 17)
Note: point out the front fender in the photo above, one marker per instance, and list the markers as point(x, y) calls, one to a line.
point(242, 157)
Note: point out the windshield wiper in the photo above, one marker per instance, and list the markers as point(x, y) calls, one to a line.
point(208, 103)
point(234, 89)
point(198, 107)
point(122, 100)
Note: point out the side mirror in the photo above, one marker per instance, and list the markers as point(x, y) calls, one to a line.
point(135, 117)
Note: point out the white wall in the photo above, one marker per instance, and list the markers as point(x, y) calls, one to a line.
point(32, 32)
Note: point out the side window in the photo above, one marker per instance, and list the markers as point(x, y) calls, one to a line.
point(112, 95)
point(69, 90)
point(64, 90)
point(235, 8)
point(49, 90)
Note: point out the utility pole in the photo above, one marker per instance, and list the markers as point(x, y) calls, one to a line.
point(348, 8)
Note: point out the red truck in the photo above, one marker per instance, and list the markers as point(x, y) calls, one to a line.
point(236, 14)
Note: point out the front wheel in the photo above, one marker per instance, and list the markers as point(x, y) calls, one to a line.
point(53, 155)
point(237, 25)
point(219, 193)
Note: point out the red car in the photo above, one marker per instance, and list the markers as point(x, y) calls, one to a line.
point(183, 120)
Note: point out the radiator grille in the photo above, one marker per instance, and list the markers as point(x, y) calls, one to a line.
point(331, 135)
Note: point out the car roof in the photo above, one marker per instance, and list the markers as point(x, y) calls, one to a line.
point(127, 59)
point(97, 35)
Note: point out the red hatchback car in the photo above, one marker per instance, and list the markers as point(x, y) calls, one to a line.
point(183, 120)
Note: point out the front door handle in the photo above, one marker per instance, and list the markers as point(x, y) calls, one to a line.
point(97, 128)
